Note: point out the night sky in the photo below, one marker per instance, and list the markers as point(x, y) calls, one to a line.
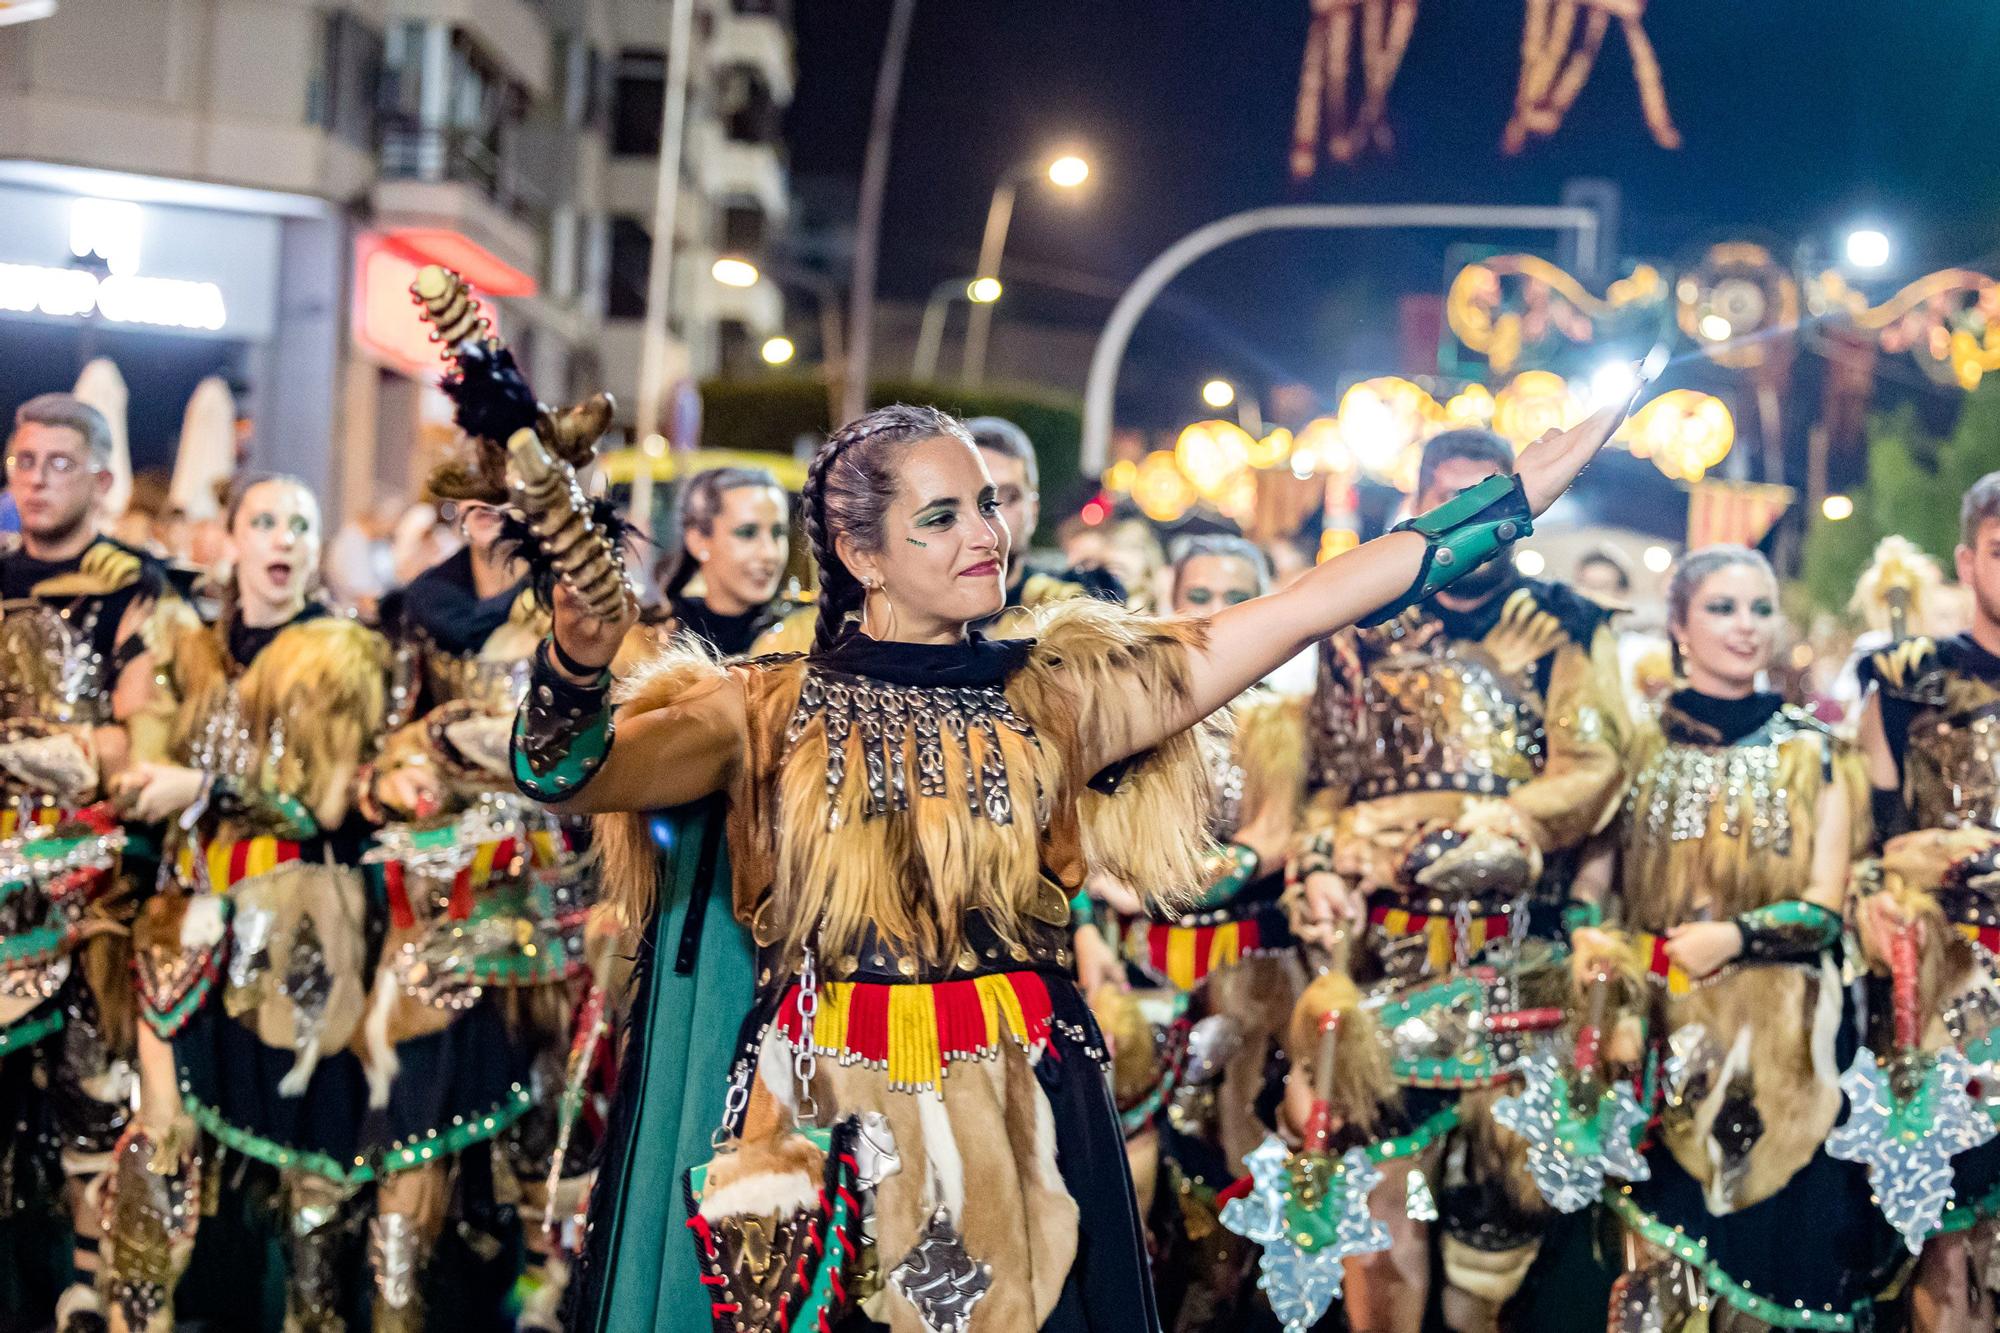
point(1798, 117)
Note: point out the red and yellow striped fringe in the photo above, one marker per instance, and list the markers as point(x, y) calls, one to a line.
point(1185, 955)
point(916, 1031)
point(230, 863)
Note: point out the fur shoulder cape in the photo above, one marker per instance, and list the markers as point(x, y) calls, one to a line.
point(1095, 676)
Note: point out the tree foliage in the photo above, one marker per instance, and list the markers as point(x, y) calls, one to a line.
point(1915, 482)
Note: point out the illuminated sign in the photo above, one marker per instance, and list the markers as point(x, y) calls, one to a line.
point(386, 323)
point(121, 298)
point(196, 270)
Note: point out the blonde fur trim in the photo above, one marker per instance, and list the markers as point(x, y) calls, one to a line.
point(622, 841)
point(1101, 674)
point(201, 923)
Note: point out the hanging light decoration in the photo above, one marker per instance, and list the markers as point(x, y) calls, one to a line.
point(1273, 450)
point(1471, 406)
point(1556, 60)
point(1324, 107)
point(1118, 477)
point(1536, 401)
point(1160, 489)
point(1683, 431)
point(1381, 418)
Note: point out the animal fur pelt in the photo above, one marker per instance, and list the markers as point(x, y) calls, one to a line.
point(1364, 1088)
point(1096, 674)
point(320, 682)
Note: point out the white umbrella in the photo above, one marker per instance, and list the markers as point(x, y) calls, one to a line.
point(208, 449)
point(103, 388)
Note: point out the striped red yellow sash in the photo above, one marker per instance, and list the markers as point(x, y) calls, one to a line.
point(232, 861)
point(915, 1031)
point(1987, 937)
point(1651, 952)
point(501, 856)
point(45, 816)
point(1185, 955)
point(1437, 929)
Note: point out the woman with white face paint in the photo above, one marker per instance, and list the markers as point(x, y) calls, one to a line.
point(1744, 817)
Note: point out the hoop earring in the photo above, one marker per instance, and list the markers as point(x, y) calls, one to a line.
point(869, 589)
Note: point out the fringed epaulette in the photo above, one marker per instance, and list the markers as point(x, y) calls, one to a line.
point(107, 566)
point(1900, 668)
point(624, 843)
point(1539, 618)
point(1100, 674)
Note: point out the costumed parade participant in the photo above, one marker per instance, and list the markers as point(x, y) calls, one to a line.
point(489, 897)
point(77, 706)
point(1228, 956)
point(1932, 924)
point(1734, 853)
point(252, 960)
point(909, 810)
point(735, 537)
point(1459, 751)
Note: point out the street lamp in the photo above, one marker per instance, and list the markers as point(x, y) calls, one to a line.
point(1867, 248)
point(1837, 507)
point(930, 334)
point(733, 272)
point(778, 350)
point(1218, 393)
point(1066, 172)
point(983, 291)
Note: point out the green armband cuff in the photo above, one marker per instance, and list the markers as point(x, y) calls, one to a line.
point(1236, 866)
point(1578, 913)
point(1787, 932)
point(562, 732)
point(1462, 534)
point(1082, 911)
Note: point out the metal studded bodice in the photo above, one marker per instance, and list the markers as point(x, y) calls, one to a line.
point(1952, 767)
point(1673, 796)
point(50, 668)
point(1226, 779)
point(1441, 717)
point(902, 727)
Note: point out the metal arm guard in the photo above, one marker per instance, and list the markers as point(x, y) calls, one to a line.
point(1787, 932)
point(1462, 534)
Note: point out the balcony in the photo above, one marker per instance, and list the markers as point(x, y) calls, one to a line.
point(454, 179)
point(754, 36)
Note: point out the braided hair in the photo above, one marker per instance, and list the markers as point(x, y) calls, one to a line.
point(848, 488)
point(699, 503)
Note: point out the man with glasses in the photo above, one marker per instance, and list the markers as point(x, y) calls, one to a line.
point(77, 705)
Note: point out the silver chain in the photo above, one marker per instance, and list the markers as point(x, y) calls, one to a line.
point(805, 1056)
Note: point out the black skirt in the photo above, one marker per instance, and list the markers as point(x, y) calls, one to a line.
point(452, 1089)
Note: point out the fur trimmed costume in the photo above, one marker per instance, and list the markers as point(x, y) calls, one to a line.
point(1458, 759)
point(1720, 826)
point(913, 820)
point(74, 637)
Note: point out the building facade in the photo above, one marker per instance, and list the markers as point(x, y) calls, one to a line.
point(245, 187)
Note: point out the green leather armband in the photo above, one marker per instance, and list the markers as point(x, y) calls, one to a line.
point(1581, 912)
point(561, 733)
point(1082, 911)
point(1236, 866)
point(1462, 534)
point(1787, 932)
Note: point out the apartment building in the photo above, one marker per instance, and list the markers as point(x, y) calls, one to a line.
point(246, 186)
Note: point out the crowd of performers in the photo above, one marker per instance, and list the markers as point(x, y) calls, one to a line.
point(959, 950)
